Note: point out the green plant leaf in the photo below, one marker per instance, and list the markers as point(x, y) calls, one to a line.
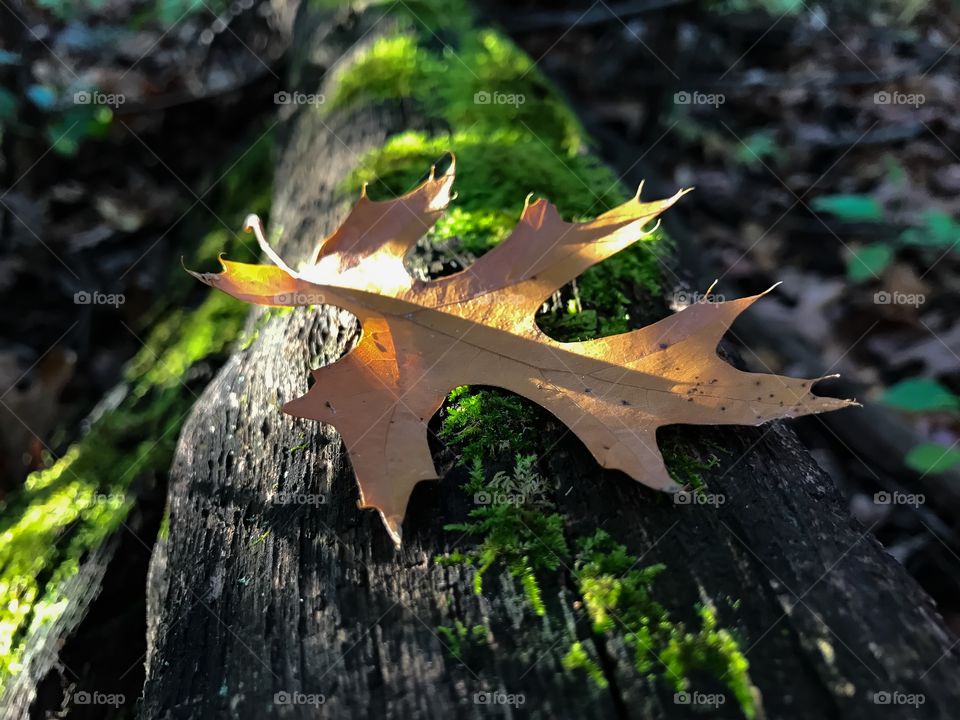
point(868, 261)
point(932, 458)
point(920, 395)
point(850, 207)
point(939, 230)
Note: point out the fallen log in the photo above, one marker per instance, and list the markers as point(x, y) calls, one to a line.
point(268, 608)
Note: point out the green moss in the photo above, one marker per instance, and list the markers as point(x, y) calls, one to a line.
point(485, 426)
point(618, 597)
point(686, 468)
point(387, 70)
point(481, 80)
point(599, 303)
point(475, 230)
point(577, 658)
point(183, 338)
point(517, 527)
point(163, 533)
point(713, 650)
point(496, 170)
point(454, 638)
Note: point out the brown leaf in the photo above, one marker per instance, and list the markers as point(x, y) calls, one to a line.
point(420, 340)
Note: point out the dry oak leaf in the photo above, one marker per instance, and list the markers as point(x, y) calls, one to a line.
point(420, 340)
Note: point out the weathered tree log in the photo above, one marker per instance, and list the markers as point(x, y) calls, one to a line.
point(259, 609)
